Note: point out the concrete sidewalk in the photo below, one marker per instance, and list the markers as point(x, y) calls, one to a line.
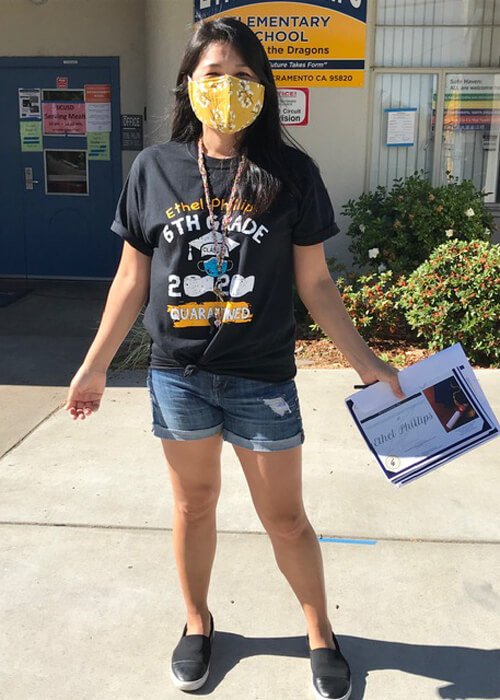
point(91, 607)
point(43, 339)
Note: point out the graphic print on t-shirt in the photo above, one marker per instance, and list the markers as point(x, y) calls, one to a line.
point(162, 209)
point(202, 252)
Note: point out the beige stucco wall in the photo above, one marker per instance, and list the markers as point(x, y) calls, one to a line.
point(335, 136)
point(168, 25)
point(82, 28)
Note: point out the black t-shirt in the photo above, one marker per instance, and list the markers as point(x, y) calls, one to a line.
point(162, 213)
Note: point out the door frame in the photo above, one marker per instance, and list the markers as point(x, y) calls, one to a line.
point(68, 62)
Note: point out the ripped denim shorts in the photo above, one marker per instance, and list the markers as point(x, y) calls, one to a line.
point(261, 416)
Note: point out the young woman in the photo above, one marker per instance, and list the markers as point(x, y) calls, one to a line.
point(217, 223)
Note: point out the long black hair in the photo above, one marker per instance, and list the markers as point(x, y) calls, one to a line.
point(265, 140)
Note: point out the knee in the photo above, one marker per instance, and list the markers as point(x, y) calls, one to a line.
point(197, 506)
point(287, 526)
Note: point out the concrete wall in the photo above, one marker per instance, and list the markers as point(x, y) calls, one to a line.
point(76, 28)
point(168, 26)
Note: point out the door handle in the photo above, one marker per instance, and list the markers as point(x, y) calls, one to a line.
point(28, 179)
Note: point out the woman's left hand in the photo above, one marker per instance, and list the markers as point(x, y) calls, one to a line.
point(382, 372)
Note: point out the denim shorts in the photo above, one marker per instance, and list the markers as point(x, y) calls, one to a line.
point(261, 416)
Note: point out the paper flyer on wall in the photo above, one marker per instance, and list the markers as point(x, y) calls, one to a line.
point(445, 414)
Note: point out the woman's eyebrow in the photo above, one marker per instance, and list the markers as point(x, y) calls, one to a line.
point(218, 65)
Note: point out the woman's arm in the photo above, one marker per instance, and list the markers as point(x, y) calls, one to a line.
point(322, 298)
point(126, 297)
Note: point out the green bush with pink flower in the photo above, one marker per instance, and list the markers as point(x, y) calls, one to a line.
point(398, 229)
point(371, 303)
point(453, 296)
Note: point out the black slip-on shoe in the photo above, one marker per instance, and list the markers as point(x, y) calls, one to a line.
point(331, 674)
point(191, 659)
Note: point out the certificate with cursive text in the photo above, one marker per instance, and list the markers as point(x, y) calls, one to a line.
point(444, 414)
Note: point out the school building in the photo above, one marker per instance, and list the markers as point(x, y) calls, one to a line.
point(373, 89)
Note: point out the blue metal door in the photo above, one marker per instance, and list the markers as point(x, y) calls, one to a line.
point(57, 203)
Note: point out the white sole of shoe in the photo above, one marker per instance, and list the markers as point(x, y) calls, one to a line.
point(189, 685)
point(344, 697)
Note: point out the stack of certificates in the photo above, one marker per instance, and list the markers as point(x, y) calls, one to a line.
point(445, 413)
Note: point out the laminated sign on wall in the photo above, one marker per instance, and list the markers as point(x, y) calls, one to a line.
point(29, 103)
point(31, 135)
point(131, 132)
point(293, 106)
point(401, 126)
point(98, 107)
point(310, 43)
point(98, 145)
point(63, 118)
point(471, 103)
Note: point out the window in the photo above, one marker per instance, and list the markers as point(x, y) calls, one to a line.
point(437, 58)
point(66, 171)
point(435, 33)
point(400, 90)
point(471, 126)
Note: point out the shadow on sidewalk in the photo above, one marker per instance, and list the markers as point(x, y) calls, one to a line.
point(46, 332)
point(467, 673)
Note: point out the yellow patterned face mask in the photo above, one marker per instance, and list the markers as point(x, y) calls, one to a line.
point(226, 103)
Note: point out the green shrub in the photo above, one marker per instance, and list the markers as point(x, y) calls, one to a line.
point(305, 328)
point(134, 351)
point(302, 317)
point(402, 226)
point(370, 301)
point(454, 296)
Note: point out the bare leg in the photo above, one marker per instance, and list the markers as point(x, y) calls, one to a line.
point(275, 482)
point(194, 469)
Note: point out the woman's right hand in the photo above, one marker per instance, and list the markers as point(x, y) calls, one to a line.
point(85, 392)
